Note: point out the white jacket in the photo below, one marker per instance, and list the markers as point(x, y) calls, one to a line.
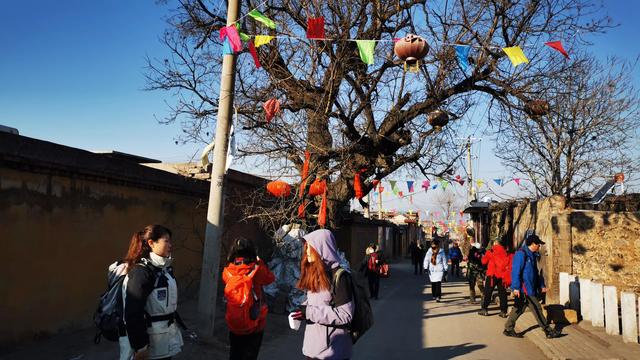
point(436, 271)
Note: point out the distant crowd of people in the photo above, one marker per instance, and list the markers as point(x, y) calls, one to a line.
point(488, 270)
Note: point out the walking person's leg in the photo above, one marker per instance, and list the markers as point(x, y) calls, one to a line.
point(472, 287)
point(253, 345)
point(536, 309)
point(437, 290)
point(502, 294)
point(376, 285)
point(236, 346)
point(486, 296)
point(371, 281)
point(520, 305)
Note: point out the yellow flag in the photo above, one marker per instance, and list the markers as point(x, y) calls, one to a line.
point(262, 40)
point(516, 55)
point(479, 183)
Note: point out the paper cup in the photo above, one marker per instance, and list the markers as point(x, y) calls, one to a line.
point(293, 323)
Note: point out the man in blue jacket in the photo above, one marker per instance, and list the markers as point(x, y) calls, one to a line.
point(527, 287)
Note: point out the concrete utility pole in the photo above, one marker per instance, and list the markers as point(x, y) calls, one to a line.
point(215, 212)
point(471, 196)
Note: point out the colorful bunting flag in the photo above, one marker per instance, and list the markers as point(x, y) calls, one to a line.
point(400, 193)
point(462, 53)
point(393, 187)
point(516, 55)
point(262, 40)
point(254, 54)
point(226, 47)
point(434, 186)
point(231, 33)
point(557, 45)
point(257, 16)
point(366, 49)
point(426, 184)
point(517, 180)
point(410, 186)
point(315, 28)
point(380, 189)
point(498, 181)
point(480, 183)
point(244, 37)
point(444, 184)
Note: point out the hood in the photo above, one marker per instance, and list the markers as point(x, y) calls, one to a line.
point(324, 243)
point(240, 269)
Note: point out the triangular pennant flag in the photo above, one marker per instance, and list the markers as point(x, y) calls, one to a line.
point(410, 186)
point(254, 54)
point(244, 37)
point(479, 183)
point(557, 45)
point(400, 193)
point(226, 47)
point(516, 55)
point(366, 49)
point(231, 33)
point(517, 180)
point(444, 184)
point(434, 186)
point(393, 187)
point(315, 28)
point(426, 184)
point(462, 53)
point(498, 181)
point(257, 16)
point(380, 189)
point(262, 40)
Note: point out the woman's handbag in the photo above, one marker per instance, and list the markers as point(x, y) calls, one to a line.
point(383, 270)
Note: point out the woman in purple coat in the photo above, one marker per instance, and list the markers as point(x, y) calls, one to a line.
point(328, 309)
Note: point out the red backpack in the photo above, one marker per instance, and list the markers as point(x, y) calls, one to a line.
point(243, 305)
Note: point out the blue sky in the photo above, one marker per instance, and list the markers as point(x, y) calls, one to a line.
point(72, 72)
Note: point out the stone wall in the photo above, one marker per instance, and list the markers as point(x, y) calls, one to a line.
point(601, 245)
point(66, 214)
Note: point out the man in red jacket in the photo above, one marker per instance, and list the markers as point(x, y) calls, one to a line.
point(498, 263)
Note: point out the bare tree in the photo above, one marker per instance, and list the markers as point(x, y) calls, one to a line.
point(589, 133)
point(348, 115)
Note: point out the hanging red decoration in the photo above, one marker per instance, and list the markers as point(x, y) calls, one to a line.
point(315, 28)
point(254, 54)
point(411, 49)
point(305, 172)
point(271, 108)
point(279, 188)
point(357, 184)
point(322, 216)
point(301, 209)
point(557, 45)
point(375, 182)
point(318, 187)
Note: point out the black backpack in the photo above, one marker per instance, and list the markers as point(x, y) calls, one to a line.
point(362, 318)
point(108, 317)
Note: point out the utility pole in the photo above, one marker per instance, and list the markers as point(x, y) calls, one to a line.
point(215, 212)
point(471, 196)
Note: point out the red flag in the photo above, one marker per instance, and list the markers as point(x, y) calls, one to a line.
point(315, 28)
point(271, 108)
point(254, 54)
point(301, 209)
point(322, 216)
point(557, 45)
point(400, 193)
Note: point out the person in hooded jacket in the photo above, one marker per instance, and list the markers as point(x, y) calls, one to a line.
point(330, 306)
point(435, 261)
point(150, 297)
point(245, 340)
point(370, 267)
point(498, 262)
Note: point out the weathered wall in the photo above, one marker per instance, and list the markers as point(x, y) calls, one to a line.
point(66, 214)
point(606, 247)
point(601, 245)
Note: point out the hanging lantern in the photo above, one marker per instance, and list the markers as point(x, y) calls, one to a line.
point(618, 178)
point(317, 187)
point(536, 108)
point(411, 49)
point(438, 119)
point(279, 188)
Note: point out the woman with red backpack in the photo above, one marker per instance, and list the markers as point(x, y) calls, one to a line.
point(498, 263)
point(329, 308)
point(246, 315)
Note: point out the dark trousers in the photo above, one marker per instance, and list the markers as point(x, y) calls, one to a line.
point(520, 305)
point(417, 267)
point(245, 347)
point(374, 284)
point(491, 283)
point(475, 278)
point(455, 267)
point(436, 289)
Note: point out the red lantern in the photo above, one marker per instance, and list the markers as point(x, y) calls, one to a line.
point(438, 119)
point(279, 188)
point(271, 108)
point(317, 187)
point(411, 49)
point(618, 178)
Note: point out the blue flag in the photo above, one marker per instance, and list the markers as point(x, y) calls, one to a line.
point(498, 181)
point(462, 53)
point(226, 47)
